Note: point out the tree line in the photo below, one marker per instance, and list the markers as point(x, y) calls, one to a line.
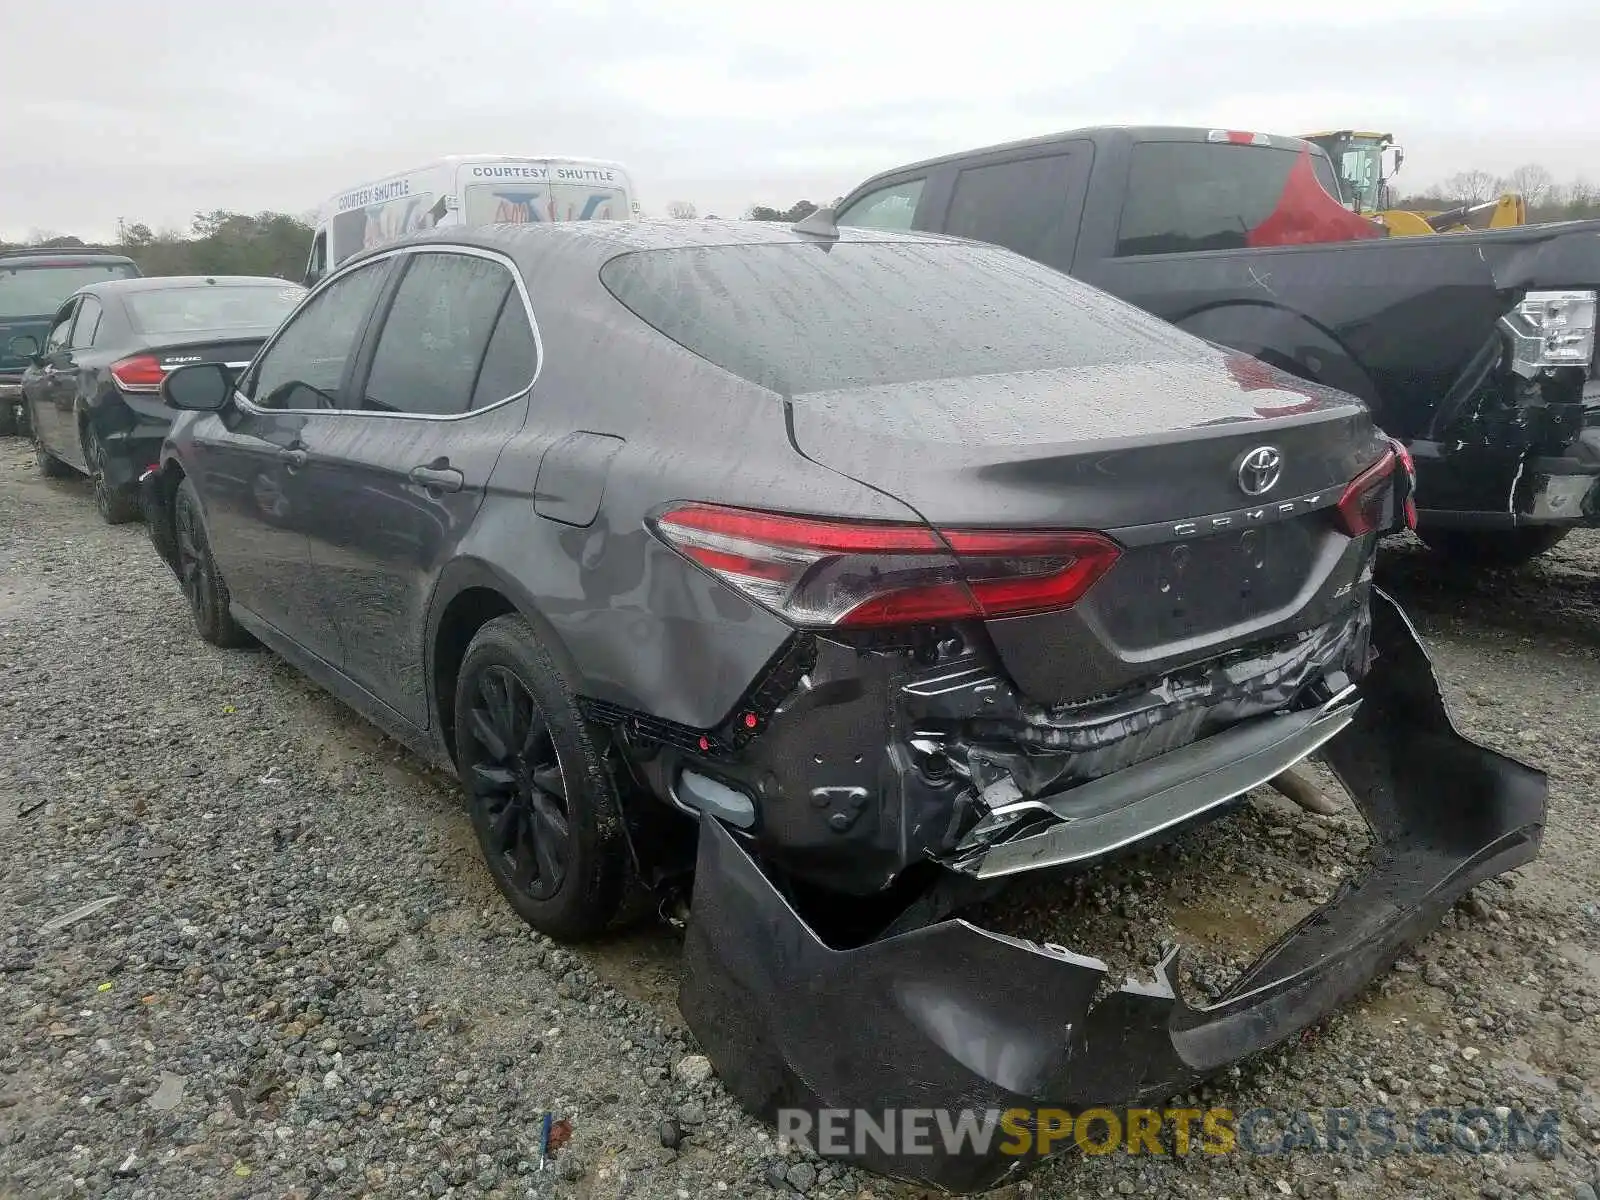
point(685, 210)
point(1547, 198)
point(216, 243)
point(277, 244)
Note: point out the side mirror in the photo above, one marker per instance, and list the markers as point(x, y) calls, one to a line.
point(25, 346)
point(198, 387)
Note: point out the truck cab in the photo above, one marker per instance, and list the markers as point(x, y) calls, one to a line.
point(1477, 350)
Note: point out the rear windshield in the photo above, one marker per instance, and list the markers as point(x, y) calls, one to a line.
point(209, 306)
point(1185, 196)
point(37, 291)
point(800, 318)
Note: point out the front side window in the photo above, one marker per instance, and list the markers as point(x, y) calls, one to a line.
point(434, 336)
point(57, 340)
point(305, 366)
point(88, 323)
point(1187, 196)
point(892, 207)
point(317, 264)
point(1026, 206)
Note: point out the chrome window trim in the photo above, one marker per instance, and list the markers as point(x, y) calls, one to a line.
point(240, 399)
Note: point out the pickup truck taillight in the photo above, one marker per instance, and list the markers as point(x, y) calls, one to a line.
point(824, 572)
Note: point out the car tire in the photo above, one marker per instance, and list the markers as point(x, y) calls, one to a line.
point(117, 506)
point(50, 466)
point(1493, 547)
point(8, 418)
point(543, 805)
point(203, 585)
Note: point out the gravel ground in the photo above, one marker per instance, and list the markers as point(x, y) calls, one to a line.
point(247, 948)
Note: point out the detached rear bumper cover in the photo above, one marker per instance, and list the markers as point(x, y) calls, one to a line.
point(956, 1017)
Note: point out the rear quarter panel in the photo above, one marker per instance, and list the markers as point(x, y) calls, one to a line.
point(640, 625)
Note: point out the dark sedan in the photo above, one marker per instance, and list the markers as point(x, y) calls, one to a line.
point(92, 390)
point(853, 574)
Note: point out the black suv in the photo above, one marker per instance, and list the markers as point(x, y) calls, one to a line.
point(855, 573)
point(34, 280)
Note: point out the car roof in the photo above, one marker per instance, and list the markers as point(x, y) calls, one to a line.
point(164, 283)
point(77, 256)
point(597, 242)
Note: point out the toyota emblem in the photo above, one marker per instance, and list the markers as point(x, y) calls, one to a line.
point(1259, 470)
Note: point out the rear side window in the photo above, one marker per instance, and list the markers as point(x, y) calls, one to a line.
point(87, 325)
point(892, 207)
point(434, 337)
point(800, 318)
point(37, 291)
point(1029, 206)
point(510, 360)
point(1186, 196)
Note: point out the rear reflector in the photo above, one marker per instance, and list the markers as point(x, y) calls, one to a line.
point(817, 572)
point(1365, 505)
point(142, 373)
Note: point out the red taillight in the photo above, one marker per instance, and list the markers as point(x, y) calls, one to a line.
point(142, 373)
point(1364, 507)
point(1409, 481)
point(853, 574)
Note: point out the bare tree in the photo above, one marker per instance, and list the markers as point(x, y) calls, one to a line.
point(1532, 181)
point(682, 210)
point(1470, 187)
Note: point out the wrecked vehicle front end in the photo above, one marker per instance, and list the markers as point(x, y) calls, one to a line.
point(941, 1014)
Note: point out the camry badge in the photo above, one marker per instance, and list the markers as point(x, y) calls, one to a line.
point(1259, 470)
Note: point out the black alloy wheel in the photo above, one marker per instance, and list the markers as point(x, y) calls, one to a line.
point(543, 804)
point(116, 507)
point(49, 465)
point(516, 780)
point(202, 583)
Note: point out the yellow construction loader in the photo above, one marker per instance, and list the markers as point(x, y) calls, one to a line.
point(1366, 162)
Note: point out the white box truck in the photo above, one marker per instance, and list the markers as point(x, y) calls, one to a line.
point(468, 189)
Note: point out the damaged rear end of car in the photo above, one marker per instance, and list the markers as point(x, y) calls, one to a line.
point(1132, 590)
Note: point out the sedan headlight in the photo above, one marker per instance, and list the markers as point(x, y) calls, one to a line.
point(1551, 329)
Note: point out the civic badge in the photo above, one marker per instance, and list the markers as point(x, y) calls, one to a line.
point(1259, 470)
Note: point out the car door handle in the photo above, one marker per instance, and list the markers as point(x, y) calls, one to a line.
point(437, 478)
point(293, 458)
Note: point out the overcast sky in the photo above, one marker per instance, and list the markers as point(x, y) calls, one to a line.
point(151, 111)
